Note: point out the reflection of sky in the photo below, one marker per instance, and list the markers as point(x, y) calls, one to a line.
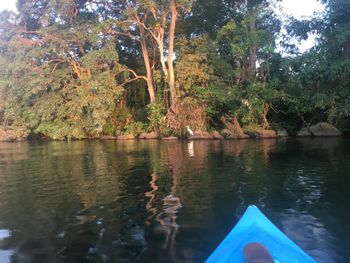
point(309, 233)
point(4, 233)
point(5, 255)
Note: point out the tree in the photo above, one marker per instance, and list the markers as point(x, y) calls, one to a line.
point(322, 74)
point(61, 78)
point(77, 69)
point(248, 41)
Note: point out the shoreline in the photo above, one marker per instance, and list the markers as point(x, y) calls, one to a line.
point(324, 130)
point(171, 139)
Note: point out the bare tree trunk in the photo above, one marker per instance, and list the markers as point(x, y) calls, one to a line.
point(171, 72)
point(160, 41)
point(265, 122)
point(149, 75)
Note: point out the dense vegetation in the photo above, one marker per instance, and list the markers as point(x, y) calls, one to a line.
point(85, 68)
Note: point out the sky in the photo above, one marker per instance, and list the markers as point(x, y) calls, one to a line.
point(7, 4)
point(296, 8)
point(300, 9)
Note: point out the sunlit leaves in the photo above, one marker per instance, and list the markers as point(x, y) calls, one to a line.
point(62, 82)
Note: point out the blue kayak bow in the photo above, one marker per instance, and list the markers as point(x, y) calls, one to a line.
point(254, 227)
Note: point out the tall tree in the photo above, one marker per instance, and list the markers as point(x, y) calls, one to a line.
point(249, 42)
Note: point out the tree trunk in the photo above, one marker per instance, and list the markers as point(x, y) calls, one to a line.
point(265, 122)
point(253, 57)
point(149, 75)
point(159, 37)
point(171, 72)
point(236, 126)
point(160, 42)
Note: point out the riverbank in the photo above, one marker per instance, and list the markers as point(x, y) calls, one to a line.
point(11, 135)
point(317, 130)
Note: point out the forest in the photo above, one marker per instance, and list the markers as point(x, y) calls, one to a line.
point(80, 69)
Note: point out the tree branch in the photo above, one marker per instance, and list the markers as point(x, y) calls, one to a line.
point(131, 80)
point(136, 77)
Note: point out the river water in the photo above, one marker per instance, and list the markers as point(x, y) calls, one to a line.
point(158, 201)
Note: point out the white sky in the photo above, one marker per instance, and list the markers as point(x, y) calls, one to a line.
point(296, 8)
point(300, 8)
point(7, 4)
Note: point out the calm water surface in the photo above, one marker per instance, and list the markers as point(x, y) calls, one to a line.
point(173, 201)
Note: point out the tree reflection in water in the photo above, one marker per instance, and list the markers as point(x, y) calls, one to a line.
point(166, 215)
point(165, 211)
point(152, 195)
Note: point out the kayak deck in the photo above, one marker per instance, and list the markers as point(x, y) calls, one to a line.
point(255, 227)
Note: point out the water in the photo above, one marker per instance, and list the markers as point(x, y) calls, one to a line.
point(174, 201)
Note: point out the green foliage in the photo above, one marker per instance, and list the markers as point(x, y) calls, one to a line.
point(57, 84)
point(193, 69)
point(156, 116)
point(318, 80)
point(135, 128)
point(110, 128)
point(256, 100)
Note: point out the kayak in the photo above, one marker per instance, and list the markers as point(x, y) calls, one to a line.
point(255, 227)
